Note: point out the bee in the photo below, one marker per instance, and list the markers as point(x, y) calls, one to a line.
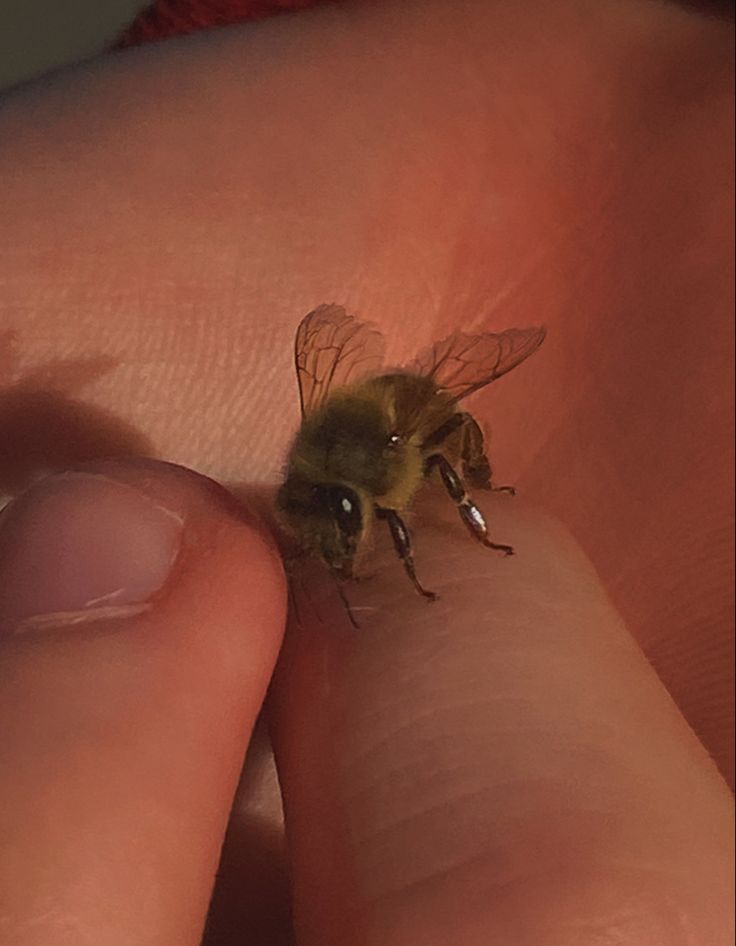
point(370, 437)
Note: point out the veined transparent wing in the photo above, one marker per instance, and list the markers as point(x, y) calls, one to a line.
point(333, 349)
point(462, 364)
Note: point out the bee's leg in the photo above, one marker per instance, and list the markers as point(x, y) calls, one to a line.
point(469, 512)
point(402, 544)
point(476, 467)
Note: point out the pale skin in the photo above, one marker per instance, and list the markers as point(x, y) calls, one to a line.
point(500, 766)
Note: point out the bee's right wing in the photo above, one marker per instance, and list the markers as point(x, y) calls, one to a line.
point(461, 364)
point(333, 349)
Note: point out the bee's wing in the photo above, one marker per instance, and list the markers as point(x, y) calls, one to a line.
point(333, 349)
point(461, 364)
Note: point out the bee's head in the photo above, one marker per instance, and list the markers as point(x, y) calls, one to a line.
point(327, 520)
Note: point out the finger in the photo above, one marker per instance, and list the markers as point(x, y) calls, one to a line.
point(141, 612)
point(501, 766)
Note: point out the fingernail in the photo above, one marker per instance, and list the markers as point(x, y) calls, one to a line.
point(78, 546)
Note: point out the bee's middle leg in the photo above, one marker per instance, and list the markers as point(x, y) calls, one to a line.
point(402, 544)
point(469, 512)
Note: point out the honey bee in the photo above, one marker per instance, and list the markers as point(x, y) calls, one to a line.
point(370, 437)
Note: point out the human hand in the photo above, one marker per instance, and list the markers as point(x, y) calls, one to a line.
point(174, 259)
point(500, 766)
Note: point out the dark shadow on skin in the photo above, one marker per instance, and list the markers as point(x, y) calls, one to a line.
point(252, 897)
point(251, 900)
point(719, 8)
point(45, 428)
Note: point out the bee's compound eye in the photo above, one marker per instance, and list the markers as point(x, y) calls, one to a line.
point(348, 513)
point(344, 505)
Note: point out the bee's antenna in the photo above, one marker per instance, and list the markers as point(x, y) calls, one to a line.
point(294, 576)
point(346, 605)
point(294, 579)
point(294, 600)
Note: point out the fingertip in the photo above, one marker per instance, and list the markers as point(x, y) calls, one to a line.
point(121, 537)
point(129, 693)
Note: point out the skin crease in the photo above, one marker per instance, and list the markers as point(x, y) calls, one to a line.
point(171, 213)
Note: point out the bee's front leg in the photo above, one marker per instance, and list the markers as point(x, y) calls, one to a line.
point(402, 544)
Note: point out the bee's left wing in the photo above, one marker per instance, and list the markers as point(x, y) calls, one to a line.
point(461, 364)
point(333, 349)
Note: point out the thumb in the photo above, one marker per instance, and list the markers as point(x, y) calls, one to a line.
point(141, 612)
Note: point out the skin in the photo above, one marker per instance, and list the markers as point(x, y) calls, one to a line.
point(504, 765)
